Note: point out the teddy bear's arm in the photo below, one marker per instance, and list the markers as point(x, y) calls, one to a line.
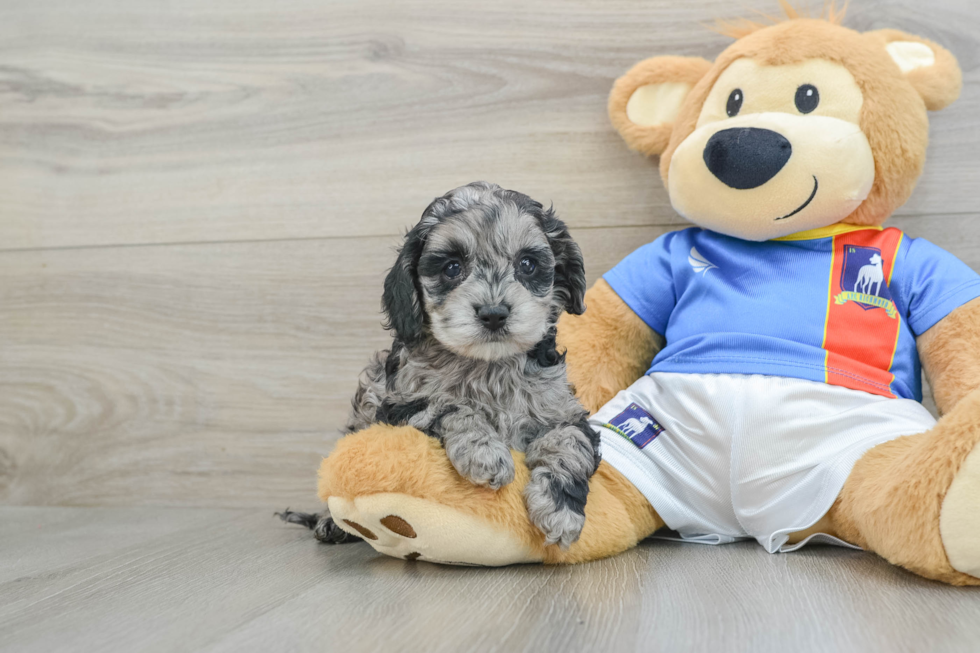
point(950, 354)
point(608, 347)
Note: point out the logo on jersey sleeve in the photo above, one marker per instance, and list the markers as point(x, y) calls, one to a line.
point(699, 263)
point(636, 425)
point(862, 280)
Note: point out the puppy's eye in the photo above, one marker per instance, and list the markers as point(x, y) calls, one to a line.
point(807, 98)
point(528, 265)
point(452, 269)
point(734, 103)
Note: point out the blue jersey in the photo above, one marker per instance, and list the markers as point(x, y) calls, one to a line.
point(842, 305)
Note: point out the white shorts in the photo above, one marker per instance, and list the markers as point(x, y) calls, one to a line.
point(723, 457)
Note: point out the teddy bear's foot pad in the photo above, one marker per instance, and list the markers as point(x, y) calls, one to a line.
point(959, 520)
point(411, 528)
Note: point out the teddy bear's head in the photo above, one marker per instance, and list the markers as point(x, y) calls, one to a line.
point(796, 126)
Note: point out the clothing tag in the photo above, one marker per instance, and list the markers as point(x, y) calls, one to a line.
point(636, 425)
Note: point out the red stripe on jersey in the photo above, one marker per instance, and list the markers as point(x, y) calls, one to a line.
point(862, 323)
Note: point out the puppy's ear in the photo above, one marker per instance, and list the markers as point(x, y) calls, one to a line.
point(569, 264)
point(402, 299)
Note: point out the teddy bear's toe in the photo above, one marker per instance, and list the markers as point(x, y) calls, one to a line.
point(402, 526)
point(959, 521)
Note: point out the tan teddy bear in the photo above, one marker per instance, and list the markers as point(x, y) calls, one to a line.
point(755, 376)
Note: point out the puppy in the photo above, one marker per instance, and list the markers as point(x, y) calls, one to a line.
point(472, 301)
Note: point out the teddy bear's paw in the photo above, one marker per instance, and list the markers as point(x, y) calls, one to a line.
point(556, 509)
point(959, 520)
point(403, 526)
point(488, 463)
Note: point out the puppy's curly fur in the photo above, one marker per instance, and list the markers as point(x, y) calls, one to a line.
point(473, 300)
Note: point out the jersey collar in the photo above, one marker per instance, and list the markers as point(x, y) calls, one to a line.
point(827, 232)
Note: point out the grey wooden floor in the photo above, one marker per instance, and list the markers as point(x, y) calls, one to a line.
point(137, 579)
point(198, 201)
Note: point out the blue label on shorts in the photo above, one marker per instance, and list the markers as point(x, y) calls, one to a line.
point(636, 425)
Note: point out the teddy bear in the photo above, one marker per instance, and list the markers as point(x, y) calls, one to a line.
point(757, 375)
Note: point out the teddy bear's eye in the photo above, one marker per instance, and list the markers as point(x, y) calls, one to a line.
point(807, 98)
point(734, 103)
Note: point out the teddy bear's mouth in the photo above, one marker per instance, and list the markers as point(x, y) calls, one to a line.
point(804, 204)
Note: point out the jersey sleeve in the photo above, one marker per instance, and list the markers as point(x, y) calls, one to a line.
point(644, 281)
point(936, 283)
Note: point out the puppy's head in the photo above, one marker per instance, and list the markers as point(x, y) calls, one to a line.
point(486, 272)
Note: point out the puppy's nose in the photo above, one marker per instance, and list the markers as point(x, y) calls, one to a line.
point(746, 157)
point(493, 317)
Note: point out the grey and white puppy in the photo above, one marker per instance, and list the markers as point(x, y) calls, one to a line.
point(473, 300)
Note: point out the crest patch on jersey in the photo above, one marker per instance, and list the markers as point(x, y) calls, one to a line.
point(861, 341)
point(636, 425)
point(863, 280)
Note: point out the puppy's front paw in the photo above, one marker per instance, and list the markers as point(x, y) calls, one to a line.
point(486, 463)
point(556, 508)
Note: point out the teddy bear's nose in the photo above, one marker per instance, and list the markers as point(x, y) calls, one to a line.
point(746, 157)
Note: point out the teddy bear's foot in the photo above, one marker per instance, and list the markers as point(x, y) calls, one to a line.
point(915, 500)
point(959, 519)
point(403, 526)
point(395, 487)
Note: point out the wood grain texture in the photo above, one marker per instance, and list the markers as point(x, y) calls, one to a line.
point(209, 580)
point(140, 122)
point(191, 375)
point(199, 201)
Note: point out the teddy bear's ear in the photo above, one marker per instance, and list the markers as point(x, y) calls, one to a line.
point(930, 68)
point(645, 101)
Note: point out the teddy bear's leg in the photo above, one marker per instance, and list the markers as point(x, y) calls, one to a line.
point(916, 500)
point(395, 487)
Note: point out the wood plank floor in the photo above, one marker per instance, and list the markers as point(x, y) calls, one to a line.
point(137, 579)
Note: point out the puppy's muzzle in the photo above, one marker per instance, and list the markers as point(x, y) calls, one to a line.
point(493, 318)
